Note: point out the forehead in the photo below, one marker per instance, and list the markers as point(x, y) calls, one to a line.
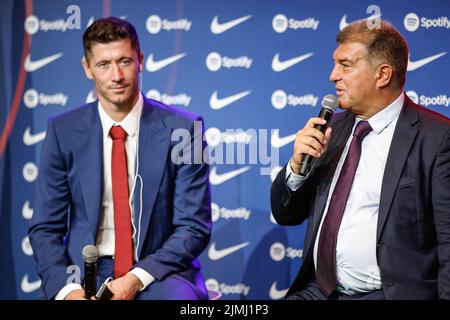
point(351, 51)
point(111, 50)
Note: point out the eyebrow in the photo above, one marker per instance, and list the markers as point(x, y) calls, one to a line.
point(120, 59)
point(344, 60)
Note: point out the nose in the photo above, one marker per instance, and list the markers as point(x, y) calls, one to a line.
point(117, 75)
point(335, 74)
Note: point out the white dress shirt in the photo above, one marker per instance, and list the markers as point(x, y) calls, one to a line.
point(106, 236)
point(357, 270)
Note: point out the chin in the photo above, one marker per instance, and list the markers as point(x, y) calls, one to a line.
point(121, 98)
point(343, 104)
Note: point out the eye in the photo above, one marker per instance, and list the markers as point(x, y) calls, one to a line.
point(103, 65)
point(125, 62)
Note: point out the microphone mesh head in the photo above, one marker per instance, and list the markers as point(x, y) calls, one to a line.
point(330, 102)
point(90, 253)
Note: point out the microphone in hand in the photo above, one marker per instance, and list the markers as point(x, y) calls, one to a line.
point(329, 105)
point(90, 257)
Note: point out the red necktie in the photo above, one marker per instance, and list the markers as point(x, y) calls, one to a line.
point(123, 257)
point(326, 252)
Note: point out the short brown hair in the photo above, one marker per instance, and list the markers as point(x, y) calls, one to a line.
point(108, 30)
point(384, 44)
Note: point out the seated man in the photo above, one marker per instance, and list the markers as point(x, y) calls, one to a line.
point(107, 178)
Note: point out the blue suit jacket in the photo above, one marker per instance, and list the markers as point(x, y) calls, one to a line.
point(176, 215)
point(413, 229)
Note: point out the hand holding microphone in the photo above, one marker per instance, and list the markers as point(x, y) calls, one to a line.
point(312, 141)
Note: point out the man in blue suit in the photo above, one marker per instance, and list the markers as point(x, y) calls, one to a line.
point(110, 176)
point(377, 197)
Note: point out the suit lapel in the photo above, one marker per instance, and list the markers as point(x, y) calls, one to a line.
point(403, 138)
point(154, 142)
point(88, 155)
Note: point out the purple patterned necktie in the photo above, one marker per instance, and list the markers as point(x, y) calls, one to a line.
point(326, 252)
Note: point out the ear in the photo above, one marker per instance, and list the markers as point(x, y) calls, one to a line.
point(87, 69)
point(384, 75)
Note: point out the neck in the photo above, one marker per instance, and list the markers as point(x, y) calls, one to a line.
point(383, 100)
point(118, 112)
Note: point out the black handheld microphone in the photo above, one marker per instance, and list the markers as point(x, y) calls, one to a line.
point(90, 257)
point(329, 104)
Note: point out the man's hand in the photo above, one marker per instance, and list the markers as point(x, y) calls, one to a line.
point(77, 294)
point(125, 288)
point(310, 141)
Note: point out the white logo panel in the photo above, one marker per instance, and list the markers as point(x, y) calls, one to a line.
point(215, 254)
point(155, 24)
point(218, 212)
point(218, 28)
point(278, 252)
point(216, 178)
point(217, 103)
point(152, 66)
point(280, 23)
point(411, 22)
point(226, 289)
point(26, 246)
point(30, 172)
point(276, 294)
point(181, 99)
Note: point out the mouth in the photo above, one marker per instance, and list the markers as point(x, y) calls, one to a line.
point(339, 92)
point(118, 89)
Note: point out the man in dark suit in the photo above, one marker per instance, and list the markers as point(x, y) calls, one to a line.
point(377, 198)
point(111, 175)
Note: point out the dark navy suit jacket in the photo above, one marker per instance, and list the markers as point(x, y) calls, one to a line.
point(176, 216)
point(413, 229)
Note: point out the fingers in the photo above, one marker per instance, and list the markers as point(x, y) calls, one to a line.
point(309, 145)
point(313, 121)
point(311, 141)
point(327, 138)
point(77, 294)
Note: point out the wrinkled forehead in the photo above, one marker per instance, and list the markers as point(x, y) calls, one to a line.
point(350, 51)
point(112, 50)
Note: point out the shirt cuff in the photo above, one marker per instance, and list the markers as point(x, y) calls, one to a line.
point(145, 277)
point(293, 181)
point(62, 294)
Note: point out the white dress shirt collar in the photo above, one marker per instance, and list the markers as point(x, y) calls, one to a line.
point(130, 123)
point(383, 118)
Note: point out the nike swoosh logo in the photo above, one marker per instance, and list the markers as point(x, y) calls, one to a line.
point(216, 179)
point(278, 142)
point(153, 66)
point(90, 21)
point(28, 286)
point(279, 66)
point(218, 28)
point(31, 66)
point(217, 104)
point(343, 23)
point(27, 212)
point(215, 254)
point(276, 294)
point(92, 96)
point(31, 139)
point(414, 65)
